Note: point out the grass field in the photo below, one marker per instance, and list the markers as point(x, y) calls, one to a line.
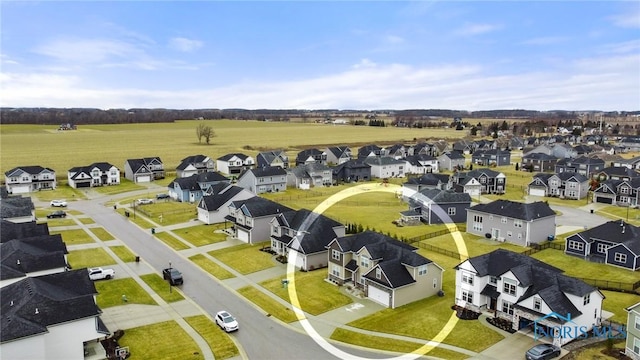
point(86, 258)
point(110, 293)
point(165, 340)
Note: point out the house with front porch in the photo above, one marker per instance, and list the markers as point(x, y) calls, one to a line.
point(632, 344)
point(493, 157)
point(192, 188)
point(564, 185)
point(251, 218)
point(195, 164)
point(514, 222)
point(25, 179)
point(491, 181)
point(96, 174)
point(388, 271)
point(305, 233)
point(528, 293)
point(144, 170)
point(264, 179)
point(618, 192)
point(614, 243)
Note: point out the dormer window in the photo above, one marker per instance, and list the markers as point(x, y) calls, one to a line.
point(586, 299)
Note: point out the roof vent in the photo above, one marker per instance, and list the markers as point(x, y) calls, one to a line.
point(11, 303)
point(37, 311)
point(623, 229)
point(18, 261)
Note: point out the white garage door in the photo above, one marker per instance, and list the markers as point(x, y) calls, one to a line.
point(243, 236)
point(379, 296)
point(19, 189)
point(536, 192)
point(143, 179)
point(299, 261)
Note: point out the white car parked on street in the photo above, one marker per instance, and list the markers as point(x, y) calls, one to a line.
point(226, 321)
point(58, 203)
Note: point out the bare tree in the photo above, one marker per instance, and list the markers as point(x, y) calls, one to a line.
point(200, 131)
point(208, 133)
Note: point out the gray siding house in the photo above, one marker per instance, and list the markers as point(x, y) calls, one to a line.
point(435, 206)
point(491, 157)
point(451, 161)
point(564, 185)
point(632, 345)
point(251, 218)
point(614, 243)
point(264, 179)
point(513, 222)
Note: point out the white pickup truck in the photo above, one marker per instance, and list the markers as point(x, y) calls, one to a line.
point(100, 273)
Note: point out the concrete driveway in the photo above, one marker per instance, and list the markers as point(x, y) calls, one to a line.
point(512, 347)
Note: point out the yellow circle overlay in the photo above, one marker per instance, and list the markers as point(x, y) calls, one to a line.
point(293, 296)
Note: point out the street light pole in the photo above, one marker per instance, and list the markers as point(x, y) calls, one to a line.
point(169, 277)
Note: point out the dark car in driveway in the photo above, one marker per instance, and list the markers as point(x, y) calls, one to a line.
point(542, 352)
point(173, 276)
point(57, 214)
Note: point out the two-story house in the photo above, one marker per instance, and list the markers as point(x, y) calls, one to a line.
point(493, 157)
point(491, 181)
point(616, 173)
point(614, 243)
point(337, 155)
point(144, 170)
point(618, 192)
point(464, 146)
point(351, 171)
point(10, 230)
point(251, 218)
point(527, 292)
point(195, 164)
point(514, 222)
point(96, 174)
point(370, 150)
point(397, 151)
point(264, 179)
point(386, 167)
point(277, 158)
point(16, 208)
point(304, 235)
point(436, 206)
point(451, 161)
point(565, 185)
point(311, 156)
point(389, 272)
point(563, 151)
point(309, 175)
point(32, 256)
point(423, 148)
point(25, 179)
point(581, 165)
point(234, 164)
point(538, 162)
point(420, 164)
point(632, 344)
point(214, 205)
point(192, 188)
point(426, 181)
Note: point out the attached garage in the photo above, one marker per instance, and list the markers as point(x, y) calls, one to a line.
point(536, 191)
point(243, 235)
point(604, 200)
point(143, 179)
point(82, 184)
point(379, 295)
point(20, 189)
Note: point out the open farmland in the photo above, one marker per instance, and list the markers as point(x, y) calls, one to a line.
point(43, 145)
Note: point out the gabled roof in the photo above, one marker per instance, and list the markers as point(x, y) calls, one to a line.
point(232, 155)
point(28, 255)
point(270, 156)
point(382, 161)
point(429, 179)
point(477, 173)
point(31, 305)
point(621, 171)
point(218, 195)
point(439, 196)
point(512, 209)
point(305, 154)
point(583, 160)
point(190, 160)
point(317, 230)
point(496, 152)
point(355, 242)
point(138, 166)
point(16, 206)
point(351, 164)
point(568, 175)
point(10, 230)
point(539, 156)
point(258, 207)
point(266, 171)
point(339, 151)
point(617, 232)
point(32, 170)
point(453, 155)
point(102, 166)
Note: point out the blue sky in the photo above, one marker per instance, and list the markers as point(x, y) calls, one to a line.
point(464, 55)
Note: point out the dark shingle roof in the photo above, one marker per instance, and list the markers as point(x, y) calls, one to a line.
point(16, 206)
point(617, 231)
point(524, 211)
point(193, 159)
point(454, 155)
point(218, 195)
point(317, 230)
point(429, 179)
point(31, 169)
point(258, 207)
point(229, 156)
point(268, 171)
point(28, 255)
point(10, 230)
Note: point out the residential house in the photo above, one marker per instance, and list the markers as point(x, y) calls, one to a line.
point(582, 150)
point(527, 292)
point(420, 164)
point(514, 222)
point(484, 144)
point(632, 343)
point(234, 164)
point(630, 143)
point(352, 170)
point(273, 158)
point(538, 149)
point(309, 175)
point(538, 162)
point(10, 230)
point(251, 218)
point(311, 156)
point(214, 205)
point(24, 179)
point(397, 151)
point(563, 151)
point(32, 256)
point(426, 181)
point(195, 164)
point(581, 165)
point(16, 208)
point(440, 147)
point(493, 157)
point(451, 161)
point(305, 234)
point(144, 170)
point(371, 150)
point(633, 163)
point(423, 148)
point(386, 167)
point(337, 155)
point(464, 146)
point(565, 185)
point(50, 316)
point(614, 243)
point(192, 188)
point(264, 179)
point(389, 272)
point(491, 181)
point(618, 192)
point(616, 173)
point(517, 143)
point(96, 174)
point(436, 206)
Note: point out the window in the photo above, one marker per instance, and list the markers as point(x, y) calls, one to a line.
point(637, 324)
point(483, 180)
point(477, 223)
point(509, 287)
point(624, 190)
point(467, 278)
point(503, 220)
point(493, 280)
point(422, 270)
point(378, 273)
point(451, 211)
point(435, 283)
point(576, 245)
point(636, 346)
point(537, 303)
point(602, 248)
point(620, 257)
point(364, 261)
point(507, 307)
point(335, 270)
point(586, 299)
point(467, 296)
point(335, 254)
point(517, 223)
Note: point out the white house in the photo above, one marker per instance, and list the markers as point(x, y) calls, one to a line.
point(24, 179)
point(386, 167)
point(96, 174)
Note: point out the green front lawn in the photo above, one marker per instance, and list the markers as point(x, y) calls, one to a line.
point(620, 212)
point(211, 267)
point(171, 240)
point(270, 306)
point(135, 218)
point(87, 258)
point(316, 296)
point(74, 237)
point(102, 234)
point(86, 220)
point(55, 222)
point(165, 340)
point(169, 212)
point(201, 235)
point(475, 245)
point(220, 343)
point(124, 186)
point(61, 192)
point(617, 302)
point(110, 293)
point(123, 253)
point(245, 258)
point(161, 287)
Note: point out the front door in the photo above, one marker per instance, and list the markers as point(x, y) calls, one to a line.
point(492, 304)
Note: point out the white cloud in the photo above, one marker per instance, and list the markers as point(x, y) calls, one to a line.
point(548, 40)
point(393, 39)
point(629, 19)
point(88, 50)
point(476, 29)
point(184, 44)
point(623, 47)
